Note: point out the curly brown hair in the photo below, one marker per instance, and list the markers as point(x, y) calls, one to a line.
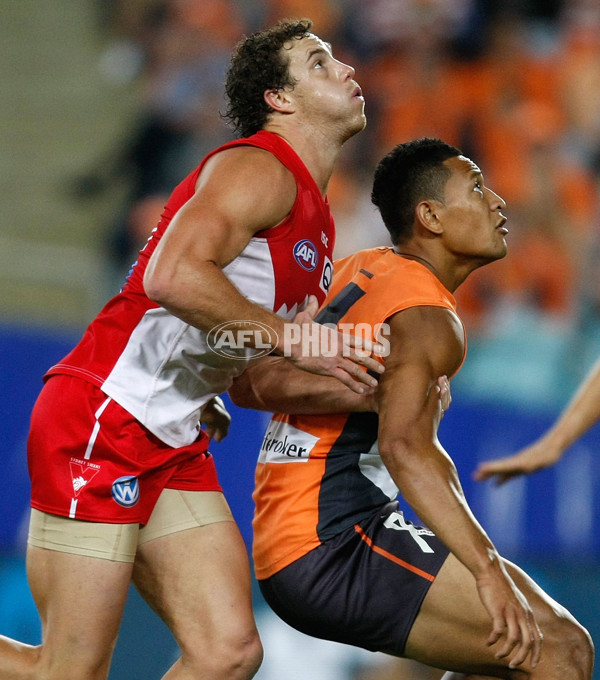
point(257, 65)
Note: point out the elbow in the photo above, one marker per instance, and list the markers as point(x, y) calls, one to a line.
point(400, 454)
point(395, 450)
point(239, 397)
point(242, 393)
point(157, 285)
point(257, 387)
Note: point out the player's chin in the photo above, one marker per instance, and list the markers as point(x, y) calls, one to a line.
point(496, 252)
point(359, 121)
point(358, 125)
point(500, 247)
point(499, 254)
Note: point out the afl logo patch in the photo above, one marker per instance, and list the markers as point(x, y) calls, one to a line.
point(126, 491)
point(306, 254)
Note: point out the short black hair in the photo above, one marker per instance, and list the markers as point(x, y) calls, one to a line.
point(410, 173)
point(258, 64)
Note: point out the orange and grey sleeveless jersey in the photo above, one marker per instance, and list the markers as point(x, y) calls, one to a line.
point(318, 475)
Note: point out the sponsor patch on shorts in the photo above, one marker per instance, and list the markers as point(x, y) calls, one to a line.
point(126, 491)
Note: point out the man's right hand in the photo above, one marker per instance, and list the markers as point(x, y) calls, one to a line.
point(514, 628)
point(534, 457)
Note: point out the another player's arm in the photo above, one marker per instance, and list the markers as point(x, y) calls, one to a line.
point(427, 342)
point(274, 384)
point(215, 419)
point(239, 192)
point(581, 413)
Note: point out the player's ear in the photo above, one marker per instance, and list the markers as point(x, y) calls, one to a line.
point(278, 100)
point(427, 214)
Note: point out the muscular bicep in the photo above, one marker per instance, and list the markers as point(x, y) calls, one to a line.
point(239, 192)
point(425, 342)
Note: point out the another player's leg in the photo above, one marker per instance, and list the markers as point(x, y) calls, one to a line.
point(198, 582)
point(452, 628)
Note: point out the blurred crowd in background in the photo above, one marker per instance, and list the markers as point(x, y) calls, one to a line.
point(515, 84)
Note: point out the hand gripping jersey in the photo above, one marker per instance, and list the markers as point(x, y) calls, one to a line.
point(320, 474)
point(162, 370)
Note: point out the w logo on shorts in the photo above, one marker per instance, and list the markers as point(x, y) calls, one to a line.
point(126, 491)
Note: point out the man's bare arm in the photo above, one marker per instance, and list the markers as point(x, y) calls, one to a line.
point(580, 414)
point(240, 192)
point(274, 384)
point(427, 342)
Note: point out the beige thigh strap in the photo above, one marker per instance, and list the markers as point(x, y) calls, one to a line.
point(178, 510)
point(174, 511)
point(116, 542)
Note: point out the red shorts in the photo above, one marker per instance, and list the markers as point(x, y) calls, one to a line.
point(89, 459)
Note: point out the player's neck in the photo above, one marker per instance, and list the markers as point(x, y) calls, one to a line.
point(450, 272)
point(416, 258)
point(319, 154)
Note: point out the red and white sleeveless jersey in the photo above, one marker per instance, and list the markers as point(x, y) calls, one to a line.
point(161, 369)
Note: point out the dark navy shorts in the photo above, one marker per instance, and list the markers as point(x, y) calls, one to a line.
point(364, 587)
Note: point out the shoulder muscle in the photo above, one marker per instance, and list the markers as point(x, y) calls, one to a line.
point(427, 336)
point(248, 184)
